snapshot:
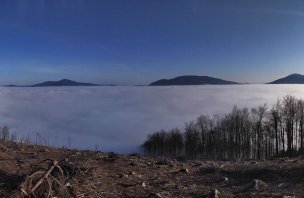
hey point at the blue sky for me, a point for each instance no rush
(135, 42)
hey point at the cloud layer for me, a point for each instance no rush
(119, 118)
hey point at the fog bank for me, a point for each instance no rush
(119, 118)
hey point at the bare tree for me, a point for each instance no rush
(5, 134)
(242, 133)
(289, 112)
(300, 115)
(192, 139)
(258, 116)
(275, 120)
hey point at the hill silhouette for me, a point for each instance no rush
(60, 83)
(291, 79)
(192, 80)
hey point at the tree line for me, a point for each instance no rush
(7, 136)
(244, 133)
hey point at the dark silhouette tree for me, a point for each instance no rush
(241, 134)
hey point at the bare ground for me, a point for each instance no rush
(36, 171)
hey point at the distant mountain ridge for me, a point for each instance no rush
(192, 80)
(179, 80)
(63, 82)
(60, 83)
(291, 79)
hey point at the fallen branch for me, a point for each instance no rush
(44, 177)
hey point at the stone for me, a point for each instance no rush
(259, 185)
(154, 195)
(225, 179)
(184, 170)
(132, 173)
(123, 176)
(283, 185)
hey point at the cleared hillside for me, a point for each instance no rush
(72, 173)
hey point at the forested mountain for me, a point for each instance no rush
(63, 82)
(291, 79)
(60, 83)
(192, 80)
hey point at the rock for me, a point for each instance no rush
(20, 161)
(154, 195)
(214, 193)
(131, 173)
(259, 185)
(225, 179)
(44, 150)
(283, 185)
(184, 170)
(123, 176)
(221, 167)
(143, 185)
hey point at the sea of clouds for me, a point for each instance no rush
(119, 118)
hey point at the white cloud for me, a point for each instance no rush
(119, 118)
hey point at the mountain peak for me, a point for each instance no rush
(63, 82)
(290, 79)
(295, 75)
(192, 80)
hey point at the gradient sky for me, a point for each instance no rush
(136, 42)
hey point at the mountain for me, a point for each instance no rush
(60, 83)
(192, 80)
(63, 82)
(291, 79)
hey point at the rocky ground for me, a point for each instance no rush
(36, 171)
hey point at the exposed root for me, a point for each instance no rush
(46, 183)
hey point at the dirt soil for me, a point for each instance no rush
(36, 171)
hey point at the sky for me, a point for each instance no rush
(136, 42)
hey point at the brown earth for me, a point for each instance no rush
(33, 171)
